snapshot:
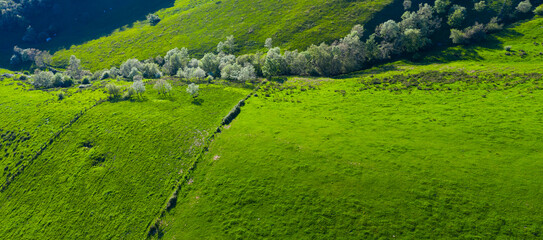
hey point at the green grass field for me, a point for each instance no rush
(445, 145)
(200, 25)
(110, 173)
(350, 159)
(30, 119)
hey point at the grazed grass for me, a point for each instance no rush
(110, 173)
(339, 161)
(30, 118)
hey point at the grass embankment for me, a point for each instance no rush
(526, 54)
(358, 158)
(30, 118)
(200, 25)
(109, 174)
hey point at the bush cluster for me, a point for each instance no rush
(46, 79)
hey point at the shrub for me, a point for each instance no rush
(508, 48)
(193, 90)
(114, 72)
(247, 73)
(457, 16)
(524, 6)
(480, 6)
(127, 68)
(163, 87)
(74, 69)
(389, 30)
(105, 75)
(58, 80)
(97, 75)
(210, 64)
(493, 25)
(269, 43)
(67, 81)
(274, 64)
(129, 93)
(231, 71)
(43, 79)
(539, 10)
(228, 46)
(175, 59)
(457, 36)
(60, 96)
(441, 6)
(139, 87)
(153, 19)
(86, 80)
(134, 73)
(113, 90)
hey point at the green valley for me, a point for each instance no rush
(273, 119)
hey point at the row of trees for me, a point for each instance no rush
(40, 59)
(355, 51)
(138, 89)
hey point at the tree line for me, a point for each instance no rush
(413, 33)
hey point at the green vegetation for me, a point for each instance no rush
(423, 157)
(200, 25)
(443, 144)
(447, 147)
(108, 175)
(30, 119)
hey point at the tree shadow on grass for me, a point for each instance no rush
(371, 71)
(448, 54)
(197, 101)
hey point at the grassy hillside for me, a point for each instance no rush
(30, 119)
(445, 145)
(407, 150)
(109, 174)
(200, 25)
